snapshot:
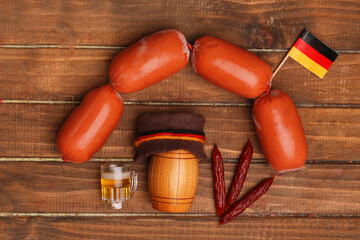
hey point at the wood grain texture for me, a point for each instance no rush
(29, 130)
(67, 74)
(75, 188)
(56, 200)
(253, 24)
(133, 228)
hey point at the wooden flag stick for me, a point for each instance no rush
(279, 66)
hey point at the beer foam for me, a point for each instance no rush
(115, 176)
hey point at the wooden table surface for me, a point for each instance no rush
(53, 52)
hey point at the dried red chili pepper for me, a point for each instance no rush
(245, 202)
(240, 175)
(219, 181)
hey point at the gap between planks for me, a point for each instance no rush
(149, 103)
(130, 160)
(119, 47)
(187, 215)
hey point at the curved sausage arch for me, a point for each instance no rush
(162, 54)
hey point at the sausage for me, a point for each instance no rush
(90, 124)
(149, 61)
(280, 131)
(230, 67)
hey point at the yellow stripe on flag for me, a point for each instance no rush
(307, 62)
(137, 142)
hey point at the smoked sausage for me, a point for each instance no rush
(90, 124)
(280, 131)
(149, 61)
(230, 67)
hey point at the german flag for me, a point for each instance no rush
(170, 134)
(313, 54)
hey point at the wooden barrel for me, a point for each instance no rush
(173, 179)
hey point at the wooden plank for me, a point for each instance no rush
(75, 188)
(29, 130)
(29, 187)
(252, 24)
(67, 74)
(114, 228)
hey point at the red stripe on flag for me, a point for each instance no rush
(313, 54)
(171, 134)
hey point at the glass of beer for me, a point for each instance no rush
(118, 184)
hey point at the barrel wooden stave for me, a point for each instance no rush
(173, 179)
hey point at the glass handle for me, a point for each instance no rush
(134, 183)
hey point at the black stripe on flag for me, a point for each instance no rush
(175, 131)
(319, 46)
